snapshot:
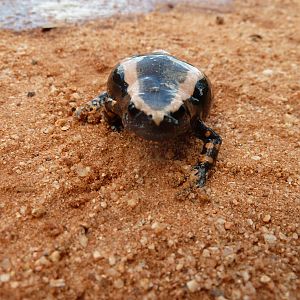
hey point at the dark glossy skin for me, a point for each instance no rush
(160, 78)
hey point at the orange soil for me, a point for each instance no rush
(88, 213)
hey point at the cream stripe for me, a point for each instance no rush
(185, 89)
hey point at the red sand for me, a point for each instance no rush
(88, 213)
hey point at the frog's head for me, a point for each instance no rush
(158, 124)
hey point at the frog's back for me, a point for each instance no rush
(159, 82)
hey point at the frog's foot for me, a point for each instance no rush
(202, 173)
(91, 112)
(212, 142)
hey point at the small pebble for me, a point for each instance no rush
(112, 260)
(38, 212)
(82, 171)
(157, 227)
(75, 96)
(112, 272)
(42, 261)
(249, 289)
(144, 283)
(206, 253)
(267, 218)
(256, 37)
(65, 128)
(250, 222)
(144, 240)
(55, 256)
(48, 27)
(48, 130)
(119, 283)
(219, 20)
(220, 225)
(4, 277)
(265, 279)
(256, 157)
(5, 264)
(53, 90)
(282, 236)
(83, 240)
(235, 201)
(270, 238)
(228, 225)
(57, 282)
(268, 72)
(228, 250)
(193, 286)
(56, 184)
(290, 119)
(245, 275)
(14, 284)
(103, 204)
(23, 210)
(61, 122)
(30, 94)
(132, 202)
(96, 254)
(77, 138)
(151, 247)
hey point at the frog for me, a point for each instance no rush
(159, 97)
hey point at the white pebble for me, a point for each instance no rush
(97, 254)
(193, 286)
(206, 253)
(103, 204)
(83, 240)
(270, 238)
(158, 227)
(57, 282)
(82, 171)
(256, 157)
(4, 277)
(42, 261)
(65, 128)
(112, 260)
(268, 72)
(265, 279)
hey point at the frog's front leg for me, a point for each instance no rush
(93, 110)
(212, 142)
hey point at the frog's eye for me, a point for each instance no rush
(118, 76)
(179, 113)
(132, 109)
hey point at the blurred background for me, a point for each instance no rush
(25, 14)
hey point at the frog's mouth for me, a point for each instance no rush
(144, 126)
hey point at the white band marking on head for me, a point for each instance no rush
(185, 89)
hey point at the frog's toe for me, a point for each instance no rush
(202, 174)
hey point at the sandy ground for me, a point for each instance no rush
(88, 213)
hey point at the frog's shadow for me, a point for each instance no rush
(179, 148)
